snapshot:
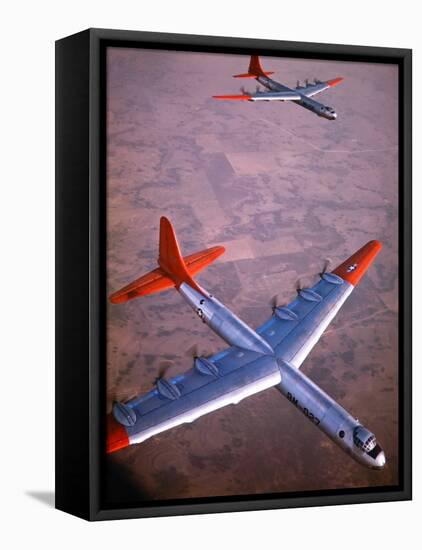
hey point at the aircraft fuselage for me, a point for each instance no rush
(330, 417)
(223, 321)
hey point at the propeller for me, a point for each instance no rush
(298, 84)
(194, 352)
(274, 302)
(306, 82)
(163, 367)
(298, 285)
(326, 265)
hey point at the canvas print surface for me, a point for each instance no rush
(285, 379)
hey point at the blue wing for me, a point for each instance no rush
(235, 373)
(317, 87)
(293, 330)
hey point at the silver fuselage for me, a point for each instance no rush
(308, 103)
(278, 365)
(224, 322)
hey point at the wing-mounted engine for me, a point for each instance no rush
(124, 414)
(206, 367)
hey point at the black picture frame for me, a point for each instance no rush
(80, 269)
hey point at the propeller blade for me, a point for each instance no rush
(274, 302)
(195, 351)
(326, 265)
(297, 84)
(163, 367)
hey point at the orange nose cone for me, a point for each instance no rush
(117, 437)
(353, 269)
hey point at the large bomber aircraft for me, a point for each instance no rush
(301, 95)
(255, 360)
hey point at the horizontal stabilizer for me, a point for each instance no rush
(200, 260)
(152, 282)
(173, 269)
(253, 75)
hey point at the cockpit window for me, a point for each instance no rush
(364, 439)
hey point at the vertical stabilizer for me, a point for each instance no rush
(255, 66)
(255, 69)
(170, 258)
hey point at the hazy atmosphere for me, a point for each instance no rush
(282, 190)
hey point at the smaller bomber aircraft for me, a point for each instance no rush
(301, 95)
(269, 356)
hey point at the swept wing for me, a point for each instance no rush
(313, 89)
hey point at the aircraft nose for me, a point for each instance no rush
(380, 460)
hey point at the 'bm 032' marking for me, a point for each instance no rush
(305, 411)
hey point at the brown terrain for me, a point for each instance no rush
(281, 189)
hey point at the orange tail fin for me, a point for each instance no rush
(173, 270)
(170, 259)
(255, 69)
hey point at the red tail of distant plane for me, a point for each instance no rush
(173, 270)
(255, 69)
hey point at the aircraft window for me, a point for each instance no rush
(364, 439)
(341, 434)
